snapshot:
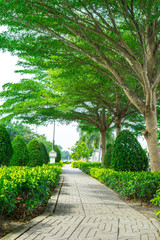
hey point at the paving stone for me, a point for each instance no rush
(88, 210)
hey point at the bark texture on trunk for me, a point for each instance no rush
(103, 145)
(118, 127)
(150, 134)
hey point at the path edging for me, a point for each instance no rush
(50, 208)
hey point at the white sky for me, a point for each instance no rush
(65, 135)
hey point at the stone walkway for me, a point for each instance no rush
(88, 210)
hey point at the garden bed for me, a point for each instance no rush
(24, 193)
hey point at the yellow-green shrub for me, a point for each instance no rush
(26, 186)
(76, 164)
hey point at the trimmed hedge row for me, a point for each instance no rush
(85, 167)
(27, 187)
(76, 164)
(142, 186)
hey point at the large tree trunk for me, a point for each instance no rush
(118, 127)
(103, 145)
(150, 134)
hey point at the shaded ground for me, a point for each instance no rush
(8, 224)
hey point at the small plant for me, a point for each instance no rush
(20, 152)
(6, 150)
(35, 153)
(128, 154)
(156, 201)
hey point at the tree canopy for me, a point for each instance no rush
(109, 35)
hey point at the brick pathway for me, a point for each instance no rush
(88, 210)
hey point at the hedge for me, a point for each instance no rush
(6, 149)
(76, 164)
(142, 186)
(20, 152)
(127, 153)
(27, 187)
(35, 153)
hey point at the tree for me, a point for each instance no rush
(77, 98)
(108, 156)
(19, 128)
(108, 30)
(42, 139)
(80, 150)
(65, 155)
(35, 153)
(20, 152)
(127, 153)
(6, 149)
(58, 157)
(71, 105)
(45, 155)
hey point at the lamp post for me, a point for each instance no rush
(53, 154)
(53, 143)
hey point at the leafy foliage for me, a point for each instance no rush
(81, 150)
(6, 150)
(108, 156)
(110, 37)
(65, 155)
(20, 152)
(26, 187)
(133, 185)
(18, 128)
(128, 154)
(58, 157)
(45, 154)
(35, 153)
(156, 200)
(85, 167)
(42, 138)
(76, 164)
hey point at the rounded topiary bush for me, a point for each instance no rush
(44, 153)
(20, 152)
(6, 150)
(128, 154)
(58, 157)
(108, 156)
(35, 153)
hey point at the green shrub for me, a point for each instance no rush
(58, 157)
(67, 162)
(26, 187)
(35, 153)
(108, 156)
(6, 150)
(128, 154)
(156, 200)
(133, 185)
(85, 167)
(20, 152)
(76, 164)
(44, 153)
